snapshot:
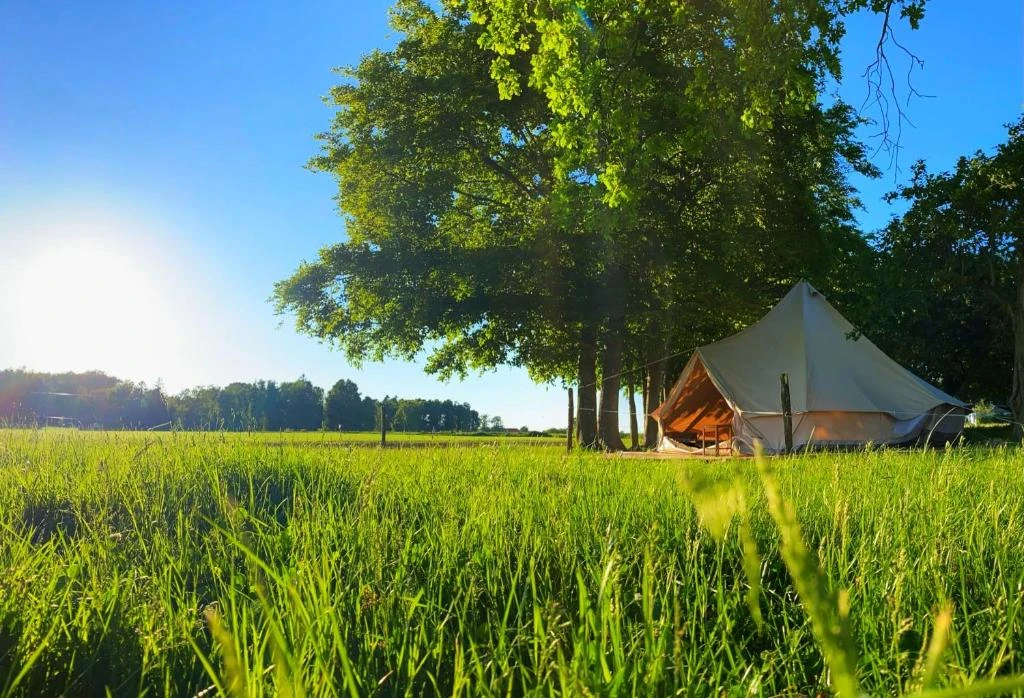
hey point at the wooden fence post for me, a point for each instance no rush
(383, 425)
(787, 413)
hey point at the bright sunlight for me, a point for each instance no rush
(91, 303)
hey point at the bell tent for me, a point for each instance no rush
(844, 391)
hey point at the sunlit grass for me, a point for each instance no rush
(168, 564)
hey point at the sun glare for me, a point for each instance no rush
(87, 304)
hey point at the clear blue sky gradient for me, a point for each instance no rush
(190, 123)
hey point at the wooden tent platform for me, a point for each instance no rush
(659, 455)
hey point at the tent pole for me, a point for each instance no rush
(787, 413)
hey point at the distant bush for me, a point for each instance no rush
(987, 413)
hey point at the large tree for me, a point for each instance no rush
(577, 188)
(459, 240)
(950, 281)
(722, 101)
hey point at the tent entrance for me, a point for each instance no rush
(696, 414)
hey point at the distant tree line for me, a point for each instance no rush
(93, 399)
(96, 400)
(433, 415)
(260, 406)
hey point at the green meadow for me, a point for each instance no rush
(188, 564)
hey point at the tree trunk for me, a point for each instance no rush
(643, 397)
(571, 426)
(586, 392)
(654, 380)
(634, 431)
(1017, 391)
(611, 366)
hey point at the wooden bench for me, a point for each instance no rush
(719, 431)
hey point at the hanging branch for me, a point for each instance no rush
(882, 92)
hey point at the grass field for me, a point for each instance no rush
(175, 564)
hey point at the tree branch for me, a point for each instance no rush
(498, 168)
(882, 93)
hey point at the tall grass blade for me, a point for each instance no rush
(828, 611)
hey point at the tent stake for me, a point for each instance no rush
(787, 413)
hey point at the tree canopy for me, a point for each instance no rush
(949, 284)
(570, 187)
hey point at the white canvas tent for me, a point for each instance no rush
(844, 391)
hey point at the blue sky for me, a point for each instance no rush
(152, 187)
